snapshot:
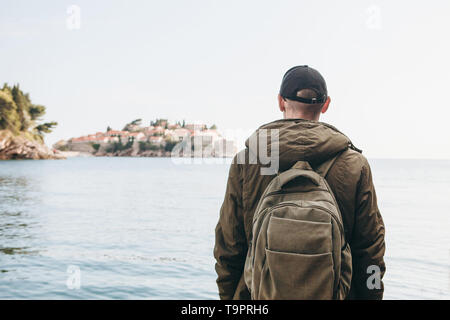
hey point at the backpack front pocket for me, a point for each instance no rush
(299, 236)
(297, 276)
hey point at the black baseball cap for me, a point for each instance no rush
(303, 77)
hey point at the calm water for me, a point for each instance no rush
(144, 228)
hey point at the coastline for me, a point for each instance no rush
(74, 154)
(20, 147)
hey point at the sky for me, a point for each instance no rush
(386, 64)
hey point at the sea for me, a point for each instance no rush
(143, 228)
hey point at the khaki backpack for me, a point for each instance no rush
(298, 248)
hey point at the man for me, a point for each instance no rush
(303, 97)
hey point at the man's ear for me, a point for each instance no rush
(326, 105)
(281, 103)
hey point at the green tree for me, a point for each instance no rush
(96, 146)
(146, 145)
(9, 118)
(45, 127)
(18, 114)
(119, 146)
(133, 125)
(23, 107)
(169, 145)
(36, 112)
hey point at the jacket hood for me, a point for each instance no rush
(304, 140)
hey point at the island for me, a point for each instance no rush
(158, 139)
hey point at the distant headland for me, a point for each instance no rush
(22, 131)
(158, 139)
(21, 127)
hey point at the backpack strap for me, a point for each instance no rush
(325, 167)
(303, 169)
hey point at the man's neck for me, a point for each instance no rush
(301, 116)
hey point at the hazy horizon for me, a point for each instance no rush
(385, 63)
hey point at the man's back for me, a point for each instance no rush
(349, 178)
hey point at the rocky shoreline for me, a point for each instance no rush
(21, 147)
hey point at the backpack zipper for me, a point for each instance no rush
(282, 192)
(312, 206)
(268, 212)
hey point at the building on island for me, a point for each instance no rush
(160, 134)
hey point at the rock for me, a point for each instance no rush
(21, 147)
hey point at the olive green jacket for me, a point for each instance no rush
(350, 179)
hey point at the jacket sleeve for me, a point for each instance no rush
(367, 244)
(230, 247)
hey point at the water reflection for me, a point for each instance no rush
(12, 251)
(17, 196)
